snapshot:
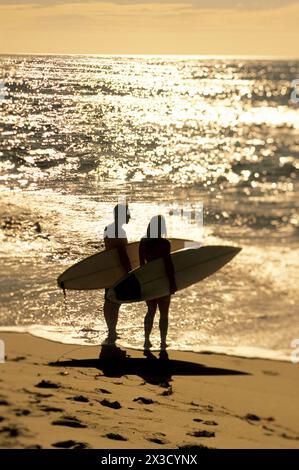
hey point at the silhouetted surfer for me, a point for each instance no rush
(153, 246)
(116, 237)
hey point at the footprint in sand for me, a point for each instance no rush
(144, 401)
(111, 404)
(47, 384)
(286, 436)
(18, 358)
(103, 390)
(252, 417)
(268, 429)
(51, 409)
(207, 423)
(194, 404)
(69, 421)
(157, 439)
(202, 433)
(15, 431)
(22, 412)
(70, 445)
(209, 408)
(37, 394)
(4, 402)
(115, 437)
(79, 398)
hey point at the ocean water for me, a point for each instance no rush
(79, 132)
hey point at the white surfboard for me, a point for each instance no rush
(103, 269)
(190, 266)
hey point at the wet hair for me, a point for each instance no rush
(157, 227)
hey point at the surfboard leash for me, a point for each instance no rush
(61, 284)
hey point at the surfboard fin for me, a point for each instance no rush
(128, 288)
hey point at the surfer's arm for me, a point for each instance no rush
(124, 259)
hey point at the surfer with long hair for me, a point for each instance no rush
(153, 246)
(116, 237)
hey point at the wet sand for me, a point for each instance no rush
(54, 395)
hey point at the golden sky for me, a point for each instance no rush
(212, 27)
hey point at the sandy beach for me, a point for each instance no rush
(55, 395)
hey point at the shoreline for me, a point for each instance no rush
(230, 351)
(55, 396)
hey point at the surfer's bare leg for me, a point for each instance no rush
(111, 316)
(164, 303)
(149, 321)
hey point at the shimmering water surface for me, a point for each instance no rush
(77, 132)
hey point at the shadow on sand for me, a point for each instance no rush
(114, 362)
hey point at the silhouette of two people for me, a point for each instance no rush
(152, 246)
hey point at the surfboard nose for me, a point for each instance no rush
(231, 251)
(228, 250)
